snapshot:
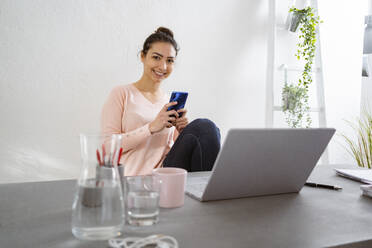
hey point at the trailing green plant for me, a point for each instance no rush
(361, 148)
(293, 98)
(307, 44)
(306, 50)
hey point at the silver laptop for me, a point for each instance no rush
(255, 162)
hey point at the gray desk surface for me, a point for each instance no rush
(39, 215)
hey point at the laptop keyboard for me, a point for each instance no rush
(196, 186)
(198, 180)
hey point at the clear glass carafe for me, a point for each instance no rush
(98, 206)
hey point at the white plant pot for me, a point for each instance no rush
(294, 21)
(301, 4)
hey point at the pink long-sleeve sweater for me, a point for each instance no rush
(128, 112)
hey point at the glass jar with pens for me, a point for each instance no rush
(98, 206)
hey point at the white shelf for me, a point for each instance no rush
(281, 27)
(296, 68)
(279, 108)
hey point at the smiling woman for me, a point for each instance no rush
(158, 65)
(154, 136)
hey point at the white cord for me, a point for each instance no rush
(161, 241)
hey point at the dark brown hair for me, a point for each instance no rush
(162, 34)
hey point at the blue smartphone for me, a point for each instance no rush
(180, 98)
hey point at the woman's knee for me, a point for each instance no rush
(203, 124)
(201, 127)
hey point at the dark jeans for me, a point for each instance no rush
(196, 147)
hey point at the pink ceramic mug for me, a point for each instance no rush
(173, 182)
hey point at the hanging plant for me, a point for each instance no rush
(306, 47)
(294, 106)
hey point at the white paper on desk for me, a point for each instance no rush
(361, 175)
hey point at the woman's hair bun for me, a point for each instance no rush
(164, 30)
(161, 34)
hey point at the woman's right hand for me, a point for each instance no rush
(163, 119)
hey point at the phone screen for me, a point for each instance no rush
(180, 98)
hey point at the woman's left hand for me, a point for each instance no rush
(181, 122)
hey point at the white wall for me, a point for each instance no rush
(366, 95)
(60, 58)
(342, 49)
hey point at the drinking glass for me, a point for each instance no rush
(142, 200)
(98, 206)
